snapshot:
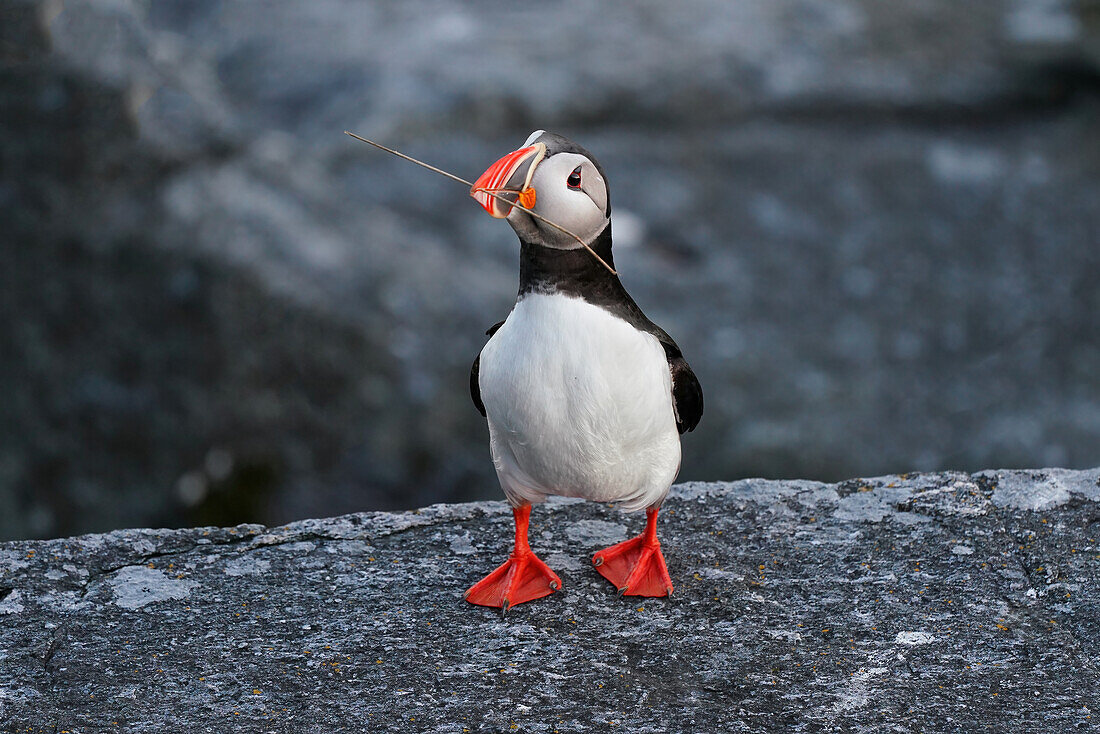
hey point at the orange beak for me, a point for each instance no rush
(510, 177)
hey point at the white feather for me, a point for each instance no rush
(579, 404)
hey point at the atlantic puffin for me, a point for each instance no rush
(584, 396)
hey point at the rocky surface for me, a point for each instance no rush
(925, 602)
(872, 229)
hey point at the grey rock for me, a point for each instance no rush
(871, 228)
(796, 609)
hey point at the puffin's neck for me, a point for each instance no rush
(572, 272)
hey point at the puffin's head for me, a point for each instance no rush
(560, 181)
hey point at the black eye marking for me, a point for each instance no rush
(574, 180)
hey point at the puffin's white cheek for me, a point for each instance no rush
(571, 209)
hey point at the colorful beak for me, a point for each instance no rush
(509, 177)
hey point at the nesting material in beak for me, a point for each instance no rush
(510, 177)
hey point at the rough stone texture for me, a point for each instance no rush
(872, 227)
(927, 602)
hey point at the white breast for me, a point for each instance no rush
(579, 404)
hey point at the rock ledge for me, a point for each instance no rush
(916, 602)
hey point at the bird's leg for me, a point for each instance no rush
(521, 578)
(636, 566)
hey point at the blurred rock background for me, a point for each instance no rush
(873, 228)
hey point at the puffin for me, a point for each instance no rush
(584, 396)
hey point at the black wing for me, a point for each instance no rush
(475, 369)
(687, 393)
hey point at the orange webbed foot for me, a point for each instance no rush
(521, 578)
(636, 567)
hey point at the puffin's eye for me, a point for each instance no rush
(574, 180)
